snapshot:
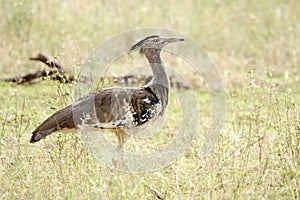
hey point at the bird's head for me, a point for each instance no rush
(153, 42)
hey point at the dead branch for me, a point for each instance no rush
(55, 72)
(40, 57)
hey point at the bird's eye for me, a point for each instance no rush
(156, 40)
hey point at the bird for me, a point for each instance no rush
(122, 110)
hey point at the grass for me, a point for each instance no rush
(255, 46)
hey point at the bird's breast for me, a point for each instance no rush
(145, 111)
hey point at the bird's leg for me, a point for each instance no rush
(121, 139)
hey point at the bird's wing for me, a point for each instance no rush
(125, 107)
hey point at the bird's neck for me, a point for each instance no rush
(160, 83)
(158, 69)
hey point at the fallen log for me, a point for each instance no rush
(56, 72)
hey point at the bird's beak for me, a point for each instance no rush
(171, 40)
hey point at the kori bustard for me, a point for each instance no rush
(121, 109)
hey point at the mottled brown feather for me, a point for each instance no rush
(110, 106)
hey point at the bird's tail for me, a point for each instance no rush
(62, 119)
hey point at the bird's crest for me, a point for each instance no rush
(137, 45)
